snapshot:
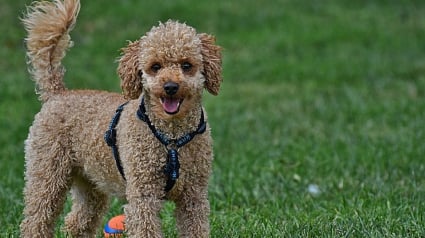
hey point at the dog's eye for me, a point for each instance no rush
(186, 66)
(155, 67)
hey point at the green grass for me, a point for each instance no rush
(329, 93)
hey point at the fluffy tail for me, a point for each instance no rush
(48, 25)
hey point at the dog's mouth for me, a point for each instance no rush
(171, 105)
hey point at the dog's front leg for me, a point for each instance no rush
(192, 212)
(142, 217)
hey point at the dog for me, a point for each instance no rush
(150, 144)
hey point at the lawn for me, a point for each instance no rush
(319, 128)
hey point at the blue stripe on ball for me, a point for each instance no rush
(110, 230)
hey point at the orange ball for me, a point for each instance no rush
(114, 227)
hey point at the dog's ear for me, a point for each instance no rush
(211, 57)
(129, 71)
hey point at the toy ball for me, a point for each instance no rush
(114, 227)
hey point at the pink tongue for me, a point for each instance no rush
(171, 105)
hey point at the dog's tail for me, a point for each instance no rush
(48, 25)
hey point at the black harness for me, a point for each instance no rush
(111, 138)
(171, 169)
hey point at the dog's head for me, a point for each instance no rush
(171, 65)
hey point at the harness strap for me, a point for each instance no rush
(111, 138)
(172, 167)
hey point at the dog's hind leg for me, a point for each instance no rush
(88, 207)
(48, 177)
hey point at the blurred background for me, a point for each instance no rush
(319, 126)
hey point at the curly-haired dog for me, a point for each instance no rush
(161, 144)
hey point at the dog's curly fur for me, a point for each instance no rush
(65, 149)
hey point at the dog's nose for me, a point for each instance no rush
(171, 88)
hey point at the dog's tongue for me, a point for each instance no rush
(171, 105)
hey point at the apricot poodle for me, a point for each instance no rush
(157, 144)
